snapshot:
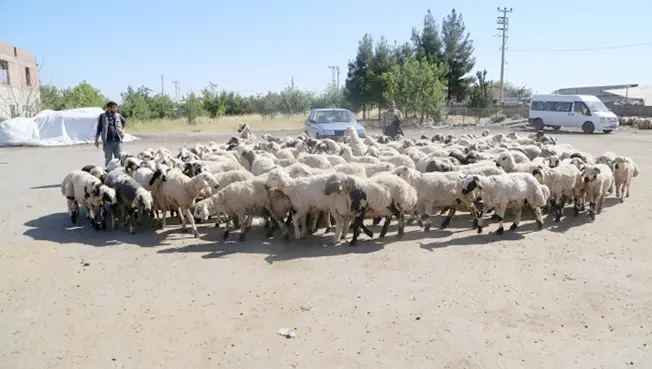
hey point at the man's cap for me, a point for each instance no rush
(111, 103)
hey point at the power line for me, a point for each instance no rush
(503, 26)
(614, 47)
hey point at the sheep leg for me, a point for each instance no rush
(339, 225)
(518, 214)
(191, 219)
(401, 226)
(425, 218)
(329, 222)
(618, 190)
(377, 221)
(314, 220)
(132, 218)
(227, 229)
(539, 216)
(600, 204)
(90, 209)
(357, 225)
(500, 212)
(479, 205)
(449, 217)
(576, 206)
(297, 219)
(345, 227)
(592, 209)
(385, 228)
(244, 228)
(627, 188)
(73, 209)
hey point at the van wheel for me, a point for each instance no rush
(556, 128)
(538, 124)
(588, 127)
(606, 131)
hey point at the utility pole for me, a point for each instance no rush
(337, 89)
(176, 90)
(503, 26)
(162, 86)
(332, 68)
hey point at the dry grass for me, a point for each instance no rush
(224, 124)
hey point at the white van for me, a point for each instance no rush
(581, 111)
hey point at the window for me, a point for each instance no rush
(548, 106)
(580, 107)
(4, 72)
(14, 111)
(27, 111)
(563, 106)
(537, 105)
(28, 77)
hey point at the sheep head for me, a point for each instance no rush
(201, 210)
(538, 173)
(243, 128)
(617, 162)
(143, 200)
(207, 180)
(505, 160)
(470, 184)
(277, 178)
(590, 174)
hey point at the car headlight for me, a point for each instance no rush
(327, 133)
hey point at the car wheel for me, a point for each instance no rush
(606, 131)
(538, 124)
(588, 127)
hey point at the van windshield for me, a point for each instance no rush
(596, 106)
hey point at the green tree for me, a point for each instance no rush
(520, 92)
(480, 97)
(358, 85)
(427, 43)
(50, 97)
(162, 106)
(294, 101)
(268, 104)
(400, 52)
(328, 99)
(136, 103)
(417, 86)
(192, 107)
(458, 55)
(380, 64)
(84, 95)
(212, 102)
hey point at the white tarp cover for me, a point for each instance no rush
(54, 128)
(640, 92)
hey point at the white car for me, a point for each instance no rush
(578, 111)
(331, 123)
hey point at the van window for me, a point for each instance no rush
(548, 106)
(537, 105)
(563, 106)
(580, 107)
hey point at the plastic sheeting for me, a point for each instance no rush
(54, 128)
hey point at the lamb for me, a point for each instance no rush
(347, 154)
(82, 189)
(506, 161)
(624, 169)
(131, 197)
(178, 192)
(496, 192)
(564, 183)
(598, 181)
(243, 200)
(95, 170)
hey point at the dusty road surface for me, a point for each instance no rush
(577, 295)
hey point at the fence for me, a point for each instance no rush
(460, 115)
(631, 110)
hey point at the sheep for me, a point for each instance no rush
(314, 161)
(194, 167)
(347, 153)
(496, 192)
(506, 161)
(352, 169)
(131, 197)
(598, 181)
(371, 169)
(398, 160)
(243, 200)
(355, 142)
(607, 157)
(180, 192)
(246, 133)
(624, 169)
(404, 200)
(306, 195)
(95, 170)
(82, 189)
(564, 183)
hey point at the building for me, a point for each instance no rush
(601, 92)
(19, 82)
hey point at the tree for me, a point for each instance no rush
(136, 103)
(359, 74)
(50, 97)
(457, 54)
(481, 92)
(84, 95)
(416, 86)
(192, 107)
(520, 92)
(380, 64)
(428, 43)
(294, 101)
(402, 52)
(162, 106)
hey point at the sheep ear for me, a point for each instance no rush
(597, 170)
(86, 195)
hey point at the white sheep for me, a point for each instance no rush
(347, 154)
(82, 189)
(564, 183)
(179, 192)
(506, 161)
(404, 200)
(598, 181)
(96, 171)
(351, 169)
(496, 192)
(624, 169)
(356, 144)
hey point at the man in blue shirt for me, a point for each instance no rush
(110, 126)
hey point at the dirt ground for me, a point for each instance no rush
(576, 295)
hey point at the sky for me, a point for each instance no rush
(257, 46)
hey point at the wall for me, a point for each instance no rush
(631, 110)
(23, 97)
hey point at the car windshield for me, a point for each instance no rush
(596, 106)
(334, 116)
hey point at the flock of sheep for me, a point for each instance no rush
(298, 185)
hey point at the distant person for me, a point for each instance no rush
(110, 126)
(392, 120)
